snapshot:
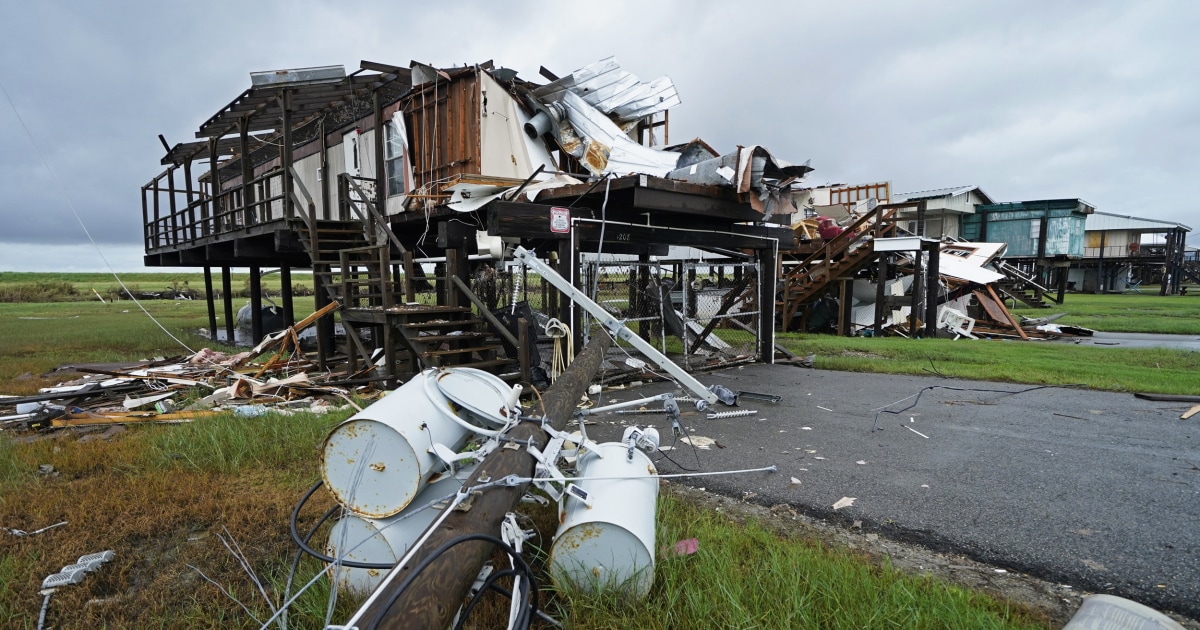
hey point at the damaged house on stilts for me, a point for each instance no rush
(405, 191)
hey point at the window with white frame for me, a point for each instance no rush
(395, 157)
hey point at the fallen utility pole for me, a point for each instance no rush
(434, 598)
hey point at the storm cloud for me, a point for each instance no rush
(1028, 100)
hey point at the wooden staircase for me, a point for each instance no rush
(351, 261)
(839, 257)
(1023, 287)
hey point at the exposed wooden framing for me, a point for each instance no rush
(285, 157)
(147, 229)
(527, 220)
(172, 205)
(190, 197)
(158, 237)
(882, 308)
(845, 307)
(410, 288)
(214, 188)
(1008, 315)
(247, 172)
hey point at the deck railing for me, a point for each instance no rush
(173, 216)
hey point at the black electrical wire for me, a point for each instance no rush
(287, 588)
(675, 441)
(488, 584)
(528, 593)
(897, 412)
(303, 542)
(541, 615)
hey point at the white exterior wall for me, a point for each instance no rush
(309, 170)
(505, 149)
(1116, 243)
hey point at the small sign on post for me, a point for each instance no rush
(560, 220)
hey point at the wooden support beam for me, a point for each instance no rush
(486, 313)
(845, 306)
(933, 285)
(256, 318)
(882, 309)
(285, 286)
(227, 289)
(1008, 314)
(768, 271)
(210, 299)
(434, 597)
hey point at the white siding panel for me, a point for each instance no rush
(309, 170)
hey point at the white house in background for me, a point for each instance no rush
(1108, 235)
(944, 208)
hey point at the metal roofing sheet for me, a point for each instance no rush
(1098, 221)
(608, 88)
(940, 192)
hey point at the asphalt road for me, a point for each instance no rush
(1096, 490)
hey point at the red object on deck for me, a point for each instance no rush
(828, 228)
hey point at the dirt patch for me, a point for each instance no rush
(1057, 602)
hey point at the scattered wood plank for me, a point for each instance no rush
(122, 417)
(1190, 412)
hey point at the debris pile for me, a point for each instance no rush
(182, 389)
(971, 284)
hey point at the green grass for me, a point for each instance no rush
(747, 576)
(1159, 370)
(1131, 312)
(148, 492)
(37, 337)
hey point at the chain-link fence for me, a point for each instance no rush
(699, 314)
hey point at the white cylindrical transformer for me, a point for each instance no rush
(385, 540)
(609, 545)
(376, 462)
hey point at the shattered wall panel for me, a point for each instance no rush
(444, 129)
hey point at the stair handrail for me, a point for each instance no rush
(374, 217)
(848, 237)
(1014, 273)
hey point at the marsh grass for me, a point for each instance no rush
(36, 338)
(16, 286)
(158, 495)
(161, 495)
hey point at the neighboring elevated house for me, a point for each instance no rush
(1122, 251)
(944, 209)
(1036, 231)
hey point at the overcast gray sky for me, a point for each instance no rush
(1028, 99)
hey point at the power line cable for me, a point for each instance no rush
(63, 191)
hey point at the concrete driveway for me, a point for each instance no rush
(1096, 490)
